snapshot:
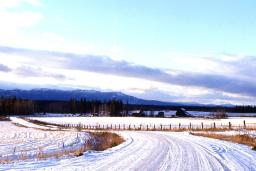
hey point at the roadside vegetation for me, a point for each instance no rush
(97, 141)
(219, 114)
(104, 140)
(240, 138)
(4, 118)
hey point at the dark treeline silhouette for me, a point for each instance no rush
(14, 106)
(83, 106)
(204, 108)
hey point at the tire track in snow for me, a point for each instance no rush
(157, 151)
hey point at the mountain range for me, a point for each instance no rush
(65, 95)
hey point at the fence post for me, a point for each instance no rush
(170, 126)
(214, 125)
(154, 126)
(202, 124)
(147, 127)
(229, 125)
(161, 126)
(129, 127)
(244, 124)
(179, 125)
(190, 125)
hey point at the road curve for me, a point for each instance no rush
(156, 151)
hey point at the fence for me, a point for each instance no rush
(160, 127)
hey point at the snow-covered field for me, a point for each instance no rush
(205, 114)
(156, 151)
(167, 113)
(137, 121)
(146, 150)
(251, 133)
(20, 141)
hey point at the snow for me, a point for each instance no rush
(251, 133)
(145, 150)
(29, 124)
(138, 121)
(16, 141)
(205, 114)
(167, 113)
(56, 114)
(155, 151)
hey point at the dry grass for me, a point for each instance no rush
(80, 127)
(58, 154)
(213, 129)
(103, 140)
(99, 141)
(37, 122)
(4, 118)
(241, 138)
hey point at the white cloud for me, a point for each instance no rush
(6, 4)
(186, 76)
(14, 23)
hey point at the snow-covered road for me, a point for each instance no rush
(156, 151)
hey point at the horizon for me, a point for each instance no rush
(198, 51)
(98, 91)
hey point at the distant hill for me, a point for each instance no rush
(65, 95)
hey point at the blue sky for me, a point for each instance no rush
(209, 44)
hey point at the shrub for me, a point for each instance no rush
(219, 114)
(79, 127)
(160, 114)
(103, 140)
(240, 138)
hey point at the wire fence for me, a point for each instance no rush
(161, 127)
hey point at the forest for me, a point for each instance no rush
(15, 106)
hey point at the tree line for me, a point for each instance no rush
(14, 106)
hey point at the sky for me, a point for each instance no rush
(170, 50)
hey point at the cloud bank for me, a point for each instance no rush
(103, 64)
(37, 72)
(4, 68)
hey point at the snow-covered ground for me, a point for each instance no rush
(145, 150)
(155, 151)
(167, 113)
(205, 114)
(16, 141)
(137, 121)
(25, 123)
(251, 133)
